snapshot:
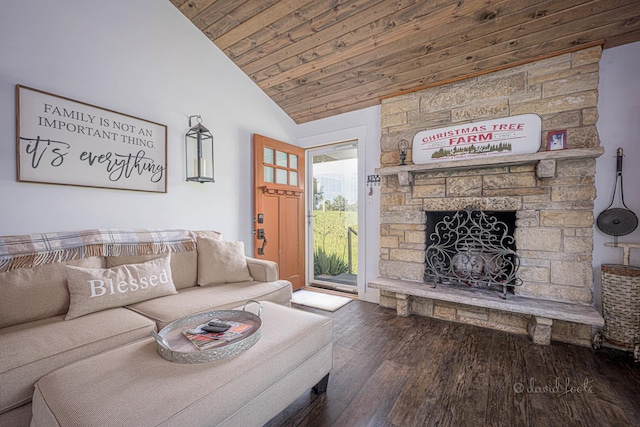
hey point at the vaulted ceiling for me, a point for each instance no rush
(319, 58)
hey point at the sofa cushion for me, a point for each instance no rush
(184, 266)
(95, 289)
(222, 297)
(31, 350)
(161, 393)
(28, 294)
(208, 234)
(220, 261)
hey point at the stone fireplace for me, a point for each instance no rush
(550, 192)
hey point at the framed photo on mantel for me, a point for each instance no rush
(63, 141)
(557, 140)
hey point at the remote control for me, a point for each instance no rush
(209, 328)
(218, 324)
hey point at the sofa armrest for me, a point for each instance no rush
(262, 270)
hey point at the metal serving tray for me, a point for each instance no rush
(173, 346)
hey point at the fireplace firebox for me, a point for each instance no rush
(472, 248)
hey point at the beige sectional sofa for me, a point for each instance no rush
(35, 300)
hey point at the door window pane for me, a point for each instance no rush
(281, 159)
(281, 176)
(293, 161)
(268, 174)
(293, 178)
(268, 155)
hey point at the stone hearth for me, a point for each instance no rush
(552, 193)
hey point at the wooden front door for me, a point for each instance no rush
(278, 171)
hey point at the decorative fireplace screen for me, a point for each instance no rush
(472, 248)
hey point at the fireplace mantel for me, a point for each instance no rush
(544, 160)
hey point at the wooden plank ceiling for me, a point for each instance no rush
(319, 58)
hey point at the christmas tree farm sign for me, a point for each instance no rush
(63, 141)
(499, 137)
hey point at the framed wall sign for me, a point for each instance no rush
(63, 141)
(498, 137)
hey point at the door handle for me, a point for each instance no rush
(261, 248)
(263, 237)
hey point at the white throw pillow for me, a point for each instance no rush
(221, 262)
(208, 234)
(96, 289)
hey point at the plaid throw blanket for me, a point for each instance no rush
(49, 248)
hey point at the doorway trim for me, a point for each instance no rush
(359, 134)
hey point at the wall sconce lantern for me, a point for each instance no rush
(403, 145)
(199, 153)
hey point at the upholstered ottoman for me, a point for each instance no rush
(134, 386)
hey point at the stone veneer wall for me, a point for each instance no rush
(554, 215)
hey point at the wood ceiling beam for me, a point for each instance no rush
(178, 3)
(327, 19)
(318, 58)
(418, 77)
(257, 44)
(620, 39)
(215, 11)
(468, 54)
(340, 28)
(439, 48)
(409, 24)
(255, 23)
(329, 107)
(193, 8)
(231, 20)
(570, 42)
(429, 41)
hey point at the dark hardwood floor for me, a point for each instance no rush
(416, 371)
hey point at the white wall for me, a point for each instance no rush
(618, 126)
(145, 59)
(363, 125)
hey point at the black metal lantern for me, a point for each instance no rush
(199, 153)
